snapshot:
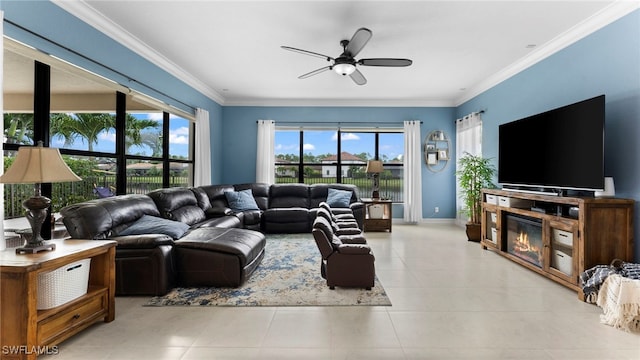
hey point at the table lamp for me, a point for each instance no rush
(37, 164)
(374, 167)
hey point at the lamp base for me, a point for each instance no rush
(36, 207)
(376, 194)
(31, 248)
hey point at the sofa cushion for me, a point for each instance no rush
(215, 193)
(240, 201)
(202, 198)
(100, 219)
(339, 198)
(179, 204)
(245, 244)
(226, 222)
(289, 196)
(156, 225)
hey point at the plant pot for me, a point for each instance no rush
(474, 232)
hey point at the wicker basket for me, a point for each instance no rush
(63, 284)
(376, 211)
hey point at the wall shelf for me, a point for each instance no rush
(437, 150)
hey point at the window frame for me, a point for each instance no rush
(301, 164)
(42, 94)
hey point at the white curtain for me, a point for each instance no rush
(2, 241)
(468, 140)
(266, 155)
(412, 172)
(202, 173)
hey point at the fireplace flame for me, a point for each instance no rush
(522, 245)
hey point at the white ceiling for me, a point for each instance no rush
(230, 50)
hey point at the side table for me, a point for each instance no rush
(25, 331)
(376, 219)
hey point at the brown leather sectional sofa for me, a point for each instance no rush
(207, 243)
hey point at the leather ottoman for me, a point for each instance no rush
(217, 257)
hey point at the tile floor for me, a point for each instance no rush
(451, 300)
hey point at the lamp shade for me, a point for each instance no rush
(374, 167)
(37, 164)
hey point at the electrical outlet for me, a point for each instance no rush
(437, 210)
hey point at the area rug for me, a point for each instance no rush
(289, 275)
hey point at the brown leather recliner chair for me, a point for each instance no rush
(347, 265)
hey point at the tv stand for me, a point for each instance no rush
(540, 191)
(581, 233)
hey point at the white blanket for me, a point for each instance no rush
(619, 297)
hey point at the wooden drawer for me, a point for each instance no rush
(377, 224)
(77, 315)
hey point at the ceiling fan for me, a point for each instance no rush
(345, 64)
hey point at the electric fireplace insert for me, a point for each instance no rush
(524, 238)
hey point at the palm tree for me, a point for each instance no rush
(135, 135)
(83, 126)
(88, 126)
(18, 128)
(152, 139)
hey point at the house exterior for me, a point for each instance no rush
(329, 170)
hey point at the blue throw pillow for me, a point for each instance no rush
(240, 201)
(148, 224)
(338, 198)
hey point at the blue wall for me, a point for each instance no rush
(240, 132)
(606, 62)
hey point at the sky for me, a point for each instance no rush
(325, 142)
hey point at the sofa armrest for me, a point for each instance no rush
(218, 211)
(356, 206)
(354, 249)
(352, 239)
(146, 241)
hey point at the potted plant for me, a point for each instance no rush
(474, 174)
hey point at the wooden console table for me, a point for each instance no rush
(26, 332)
(374, 223)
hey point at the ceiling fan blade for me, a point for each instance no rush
(314, 72)
(385, 62)
(358, 78)
(305, 52)
(358, 41)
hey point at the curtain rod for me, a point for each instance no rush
(473, 113)
(337, 123)
(99, 64)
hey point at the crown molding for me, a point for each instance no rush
(596, 22)
(89, 15)
(340, 102)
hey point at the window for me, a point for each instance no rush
(136, 150)
(340, 156)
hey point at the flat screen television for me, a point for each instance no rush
(560, 149)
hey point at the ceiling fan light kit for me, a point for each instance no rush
(344, 69)
(345, 64)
